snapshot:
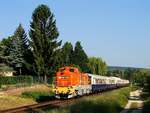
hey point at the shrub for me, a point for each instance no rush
(38, 95)
(16, 80)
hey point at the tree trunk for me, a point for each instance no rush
(45, 78)
(20, 72)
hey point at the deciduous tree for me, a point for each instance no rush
(97, 66)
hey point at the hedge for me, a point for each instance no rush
(16, 80)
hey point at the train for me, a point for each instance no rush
(69, 82)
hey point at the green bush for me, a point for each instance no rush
(16, 80)
(38, 95)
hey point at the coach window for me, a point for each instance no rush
(101, 81)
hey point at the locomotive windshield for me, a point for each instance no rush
(64, 77)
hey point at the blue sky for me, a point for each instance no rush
(116, 30)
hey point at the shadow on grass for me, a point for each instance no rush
(87, 107)
(38, 96)
(138, 110)
(95, 107)
(44, 98)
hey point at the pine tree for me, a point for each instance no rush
(26, 50)
(80, 58)
(16, 54)
(67, 51)
(17, 49)
(44, 34)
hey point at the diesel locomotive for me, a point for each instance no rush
(70, 82)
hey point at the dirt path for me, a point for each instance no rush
(134, 105)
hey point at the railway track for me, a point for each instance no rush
(34, 107)
(53, 103)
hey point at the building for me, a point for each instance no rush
(6, 70)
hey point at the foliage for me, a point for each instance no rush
(135, 76)
(16, 80)
(105, 103)
(80, 58)
(14, 49)
(5, 68)
(146, 91)
(147, 83)
(146, 106)
(5, 45)
(67, 54)
(44, 34)
(97, 66)
(38, 95)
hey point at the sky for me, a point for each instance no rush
(116, 30)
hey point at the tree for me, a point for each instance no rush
(97, 66)
(44, 44)
(138, 77)
(18, 48)
(80, 58)
(67, 51)
(5, 45)
(16, 51)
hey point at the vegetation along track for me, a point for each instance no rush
(52, 103)
(34, 107)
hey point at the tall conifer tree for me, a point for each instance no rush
(18, 48)
(67, 51)
(44, 34)
(80, 58)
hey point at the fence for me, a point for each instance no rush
(22, 81)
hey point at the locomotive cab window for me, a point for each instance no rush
(71, 70)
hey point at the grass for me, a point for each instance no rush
(7, 102)
(146, 108)
(134, 88)
(24, 96)
(146, 97)
(38, 96)
(134, 105)
(109, 102)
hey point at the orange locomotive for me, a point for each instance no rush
(69, 82)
